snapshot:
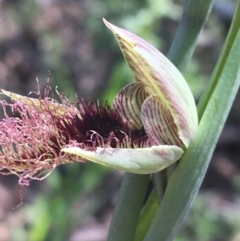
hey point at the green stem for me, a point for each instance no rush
(147, 214)
(194, 15)
(128, 207)
(185, 181)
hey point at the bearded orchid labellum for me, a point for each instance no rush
(151, 123)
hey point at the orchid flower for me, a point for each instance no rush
(151, 123)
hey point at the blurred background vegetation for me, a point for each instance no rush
(69, 39)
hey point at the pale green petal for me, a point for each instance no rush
(128, 103)
(57, 108)
(158, 122)
(140, 160)
(162, 78)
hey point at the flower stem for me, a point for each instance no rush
(194, 16)
(129, 204)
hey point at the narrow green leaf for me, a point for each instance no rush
(147, 215)
(235, 26)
